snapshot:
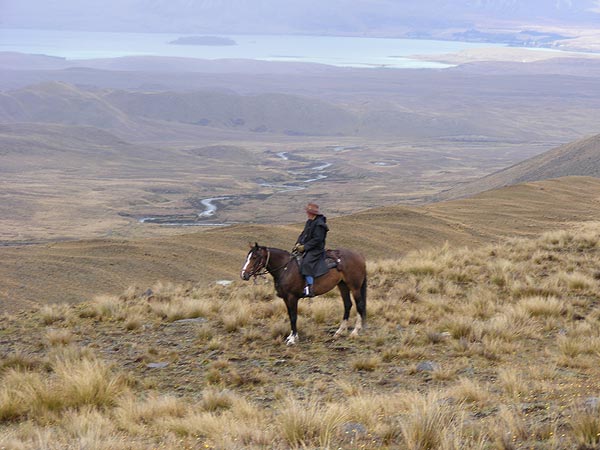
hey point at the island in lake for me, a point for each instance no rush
(203, 40)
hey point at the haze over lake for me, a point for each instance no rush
(332, 50)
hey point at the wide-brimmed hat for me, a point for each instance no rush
(312, 208)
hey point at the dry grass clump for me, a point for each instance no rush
(135, 415)
(50, 314)
(368, 363)
(512, 383)
(20, 361)
(71, 384)
(431, 422)
(584, 421)
(470, 391)
(538, 306)
(235, 315)
(180, 308)
(59, 337)
(309, 424)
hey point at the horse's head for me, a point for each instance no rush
(256, 260)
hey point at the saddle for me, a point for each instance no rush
(333, 258)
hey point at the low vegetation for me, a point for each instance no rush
(485, 348)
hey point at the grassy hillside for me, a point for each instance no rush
(581, 157)
(72, 271)
(488, 347)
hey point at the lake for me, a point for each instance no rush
(332, 50)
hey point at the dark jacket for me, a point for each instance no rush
(313, 238)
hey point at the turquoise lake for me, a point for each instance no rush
(332, 50)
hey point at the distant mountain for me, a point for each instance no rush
(579, 158)
(358, 17)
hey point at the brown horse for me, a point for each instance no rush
(350, 276)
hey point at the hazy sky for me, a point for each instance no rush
(281, 16)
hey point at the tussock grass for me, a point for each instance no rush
(538, 306)
(107, 306)
(585, 425)
(134, 415)
(368, 363)
(59, 337)
(309, 424)
(512, 330)
(88, 382)
(470, 391)
(20, 361)
(50, 314)
(429, 423)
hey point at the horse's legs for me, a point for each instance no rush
(292, 308)
(343, 287)
(360, 298)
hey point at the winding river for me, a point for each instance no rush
(303, 176)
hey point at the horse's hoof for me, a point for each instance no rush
(292, 339)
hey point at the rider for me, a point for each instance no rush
(311, 243)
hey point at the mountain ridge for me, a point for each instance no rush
(579, 158)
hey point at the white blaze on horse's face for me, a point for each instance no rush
(244, 275)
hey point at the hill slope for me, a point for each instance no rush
(579, 158)
(123, 111)
(74, 271)
(490, 347)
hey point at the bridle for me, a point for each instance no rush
(259, 267)
(260, 264)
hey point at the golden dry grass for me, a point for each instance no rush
(511, 331)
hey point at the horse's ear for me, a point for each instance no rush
(256, 245)
(250, 244)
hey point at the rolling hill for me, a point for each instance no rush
(143, 114)
(579, 158)
(74, 271)
(123, 111)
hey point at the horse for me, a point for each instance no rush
(350, 276)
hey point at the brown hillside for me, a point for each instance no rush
(56, 102)
(75, 271)
(579, 158)
(123, 111)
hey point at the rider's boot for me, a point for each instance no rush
(308, 291)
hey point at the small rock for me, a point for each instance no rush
(194, 320)
(148, 293)
(353, 430)
(528, 408)
(468, 371)
(592, 404)
(427, 366)
(224, 282)
(158, 365)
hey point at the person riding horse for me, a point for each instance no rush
(311, 244)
